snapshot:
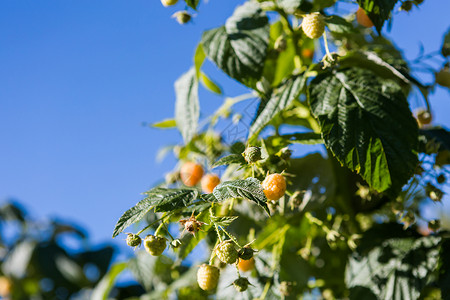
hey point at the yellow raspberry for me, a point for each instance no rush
(226, 252)
(191, 173)
(274, 186)
(209, 182)
(313, 25)
(208, 277)
(154, 245)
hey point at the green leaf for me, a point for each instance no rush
(209, 84)
(281, 98)
(161, 199)
(165, 199)
(339, 25)
(368, 126)
(378, 10)
(239, 47)
(249, 189)
(223, 221)
(444, 269)
(305, 138)
(445, 50)
(394, 268)
(199, 58)
(230, 159)
(192, 3)
(104, 287)
(187, 105)
(167, 123)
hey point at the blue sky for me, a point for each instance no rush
(80, 78)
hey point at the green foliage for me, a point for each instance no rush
(347, 217)
(369, 130)
(445, 50)
(239, 47)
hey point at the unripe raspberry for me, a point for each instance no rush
(172, 177)
(441, 179)
(191, 173)
(241, 284)
(169, 2)
(209, 182)
(274, 186)
(280, 44)
(246, 265)
(443, 77)
(208, 277)
(246, 253)
(226, 252)
(252, 154)
(182, 17)
(313, 25)
(133, 240)
(424, 117)
(362, 18)
(155, 245)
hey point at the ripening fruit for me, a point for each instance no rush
(313, 25)
(182, 17)
(155, 245)
(191, 173)
(274, 186)
(246, 253)
(5, 286)
(308, 53)
(424, 117)
(226, 252)
(208, 277)
(363, 19)
(246, 265)
(443, 77)
(169, 2)
(209, 182)
(241, 284)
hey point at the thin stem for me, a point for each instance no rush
(160, 227)
(326, 45)
(151, 224)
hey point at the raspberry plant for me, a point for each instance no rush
(344, 222)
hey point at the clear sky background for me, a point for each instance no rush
(79, 78)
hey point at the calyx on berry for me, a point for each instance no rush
(241, 284)
(252, 154)
(246, 253)
(191, 225)
(133, 240)
(182, 17)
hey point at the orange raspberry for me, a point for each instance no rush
(308, 53)
(208, 277)
(191, 173)
(274, 186)
(362, 18)
(246, 265)
(209, 182)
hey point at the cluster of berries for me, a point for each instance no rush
(208, 275)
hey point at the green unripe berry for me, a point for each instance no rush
(245, 253)
(155, 245)
(252, 154)
(226, 252)
(182, 17)
(133, 240)
(241, 284)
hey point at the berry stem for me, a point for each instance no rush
(160, 227)
(326, 45)
(151, 224)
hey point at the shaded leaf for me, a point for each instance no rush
(192, 3)
(339, 25)
(445, 50)
(367, 124)
(239, 47)
(187, 105)
(223, 221)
